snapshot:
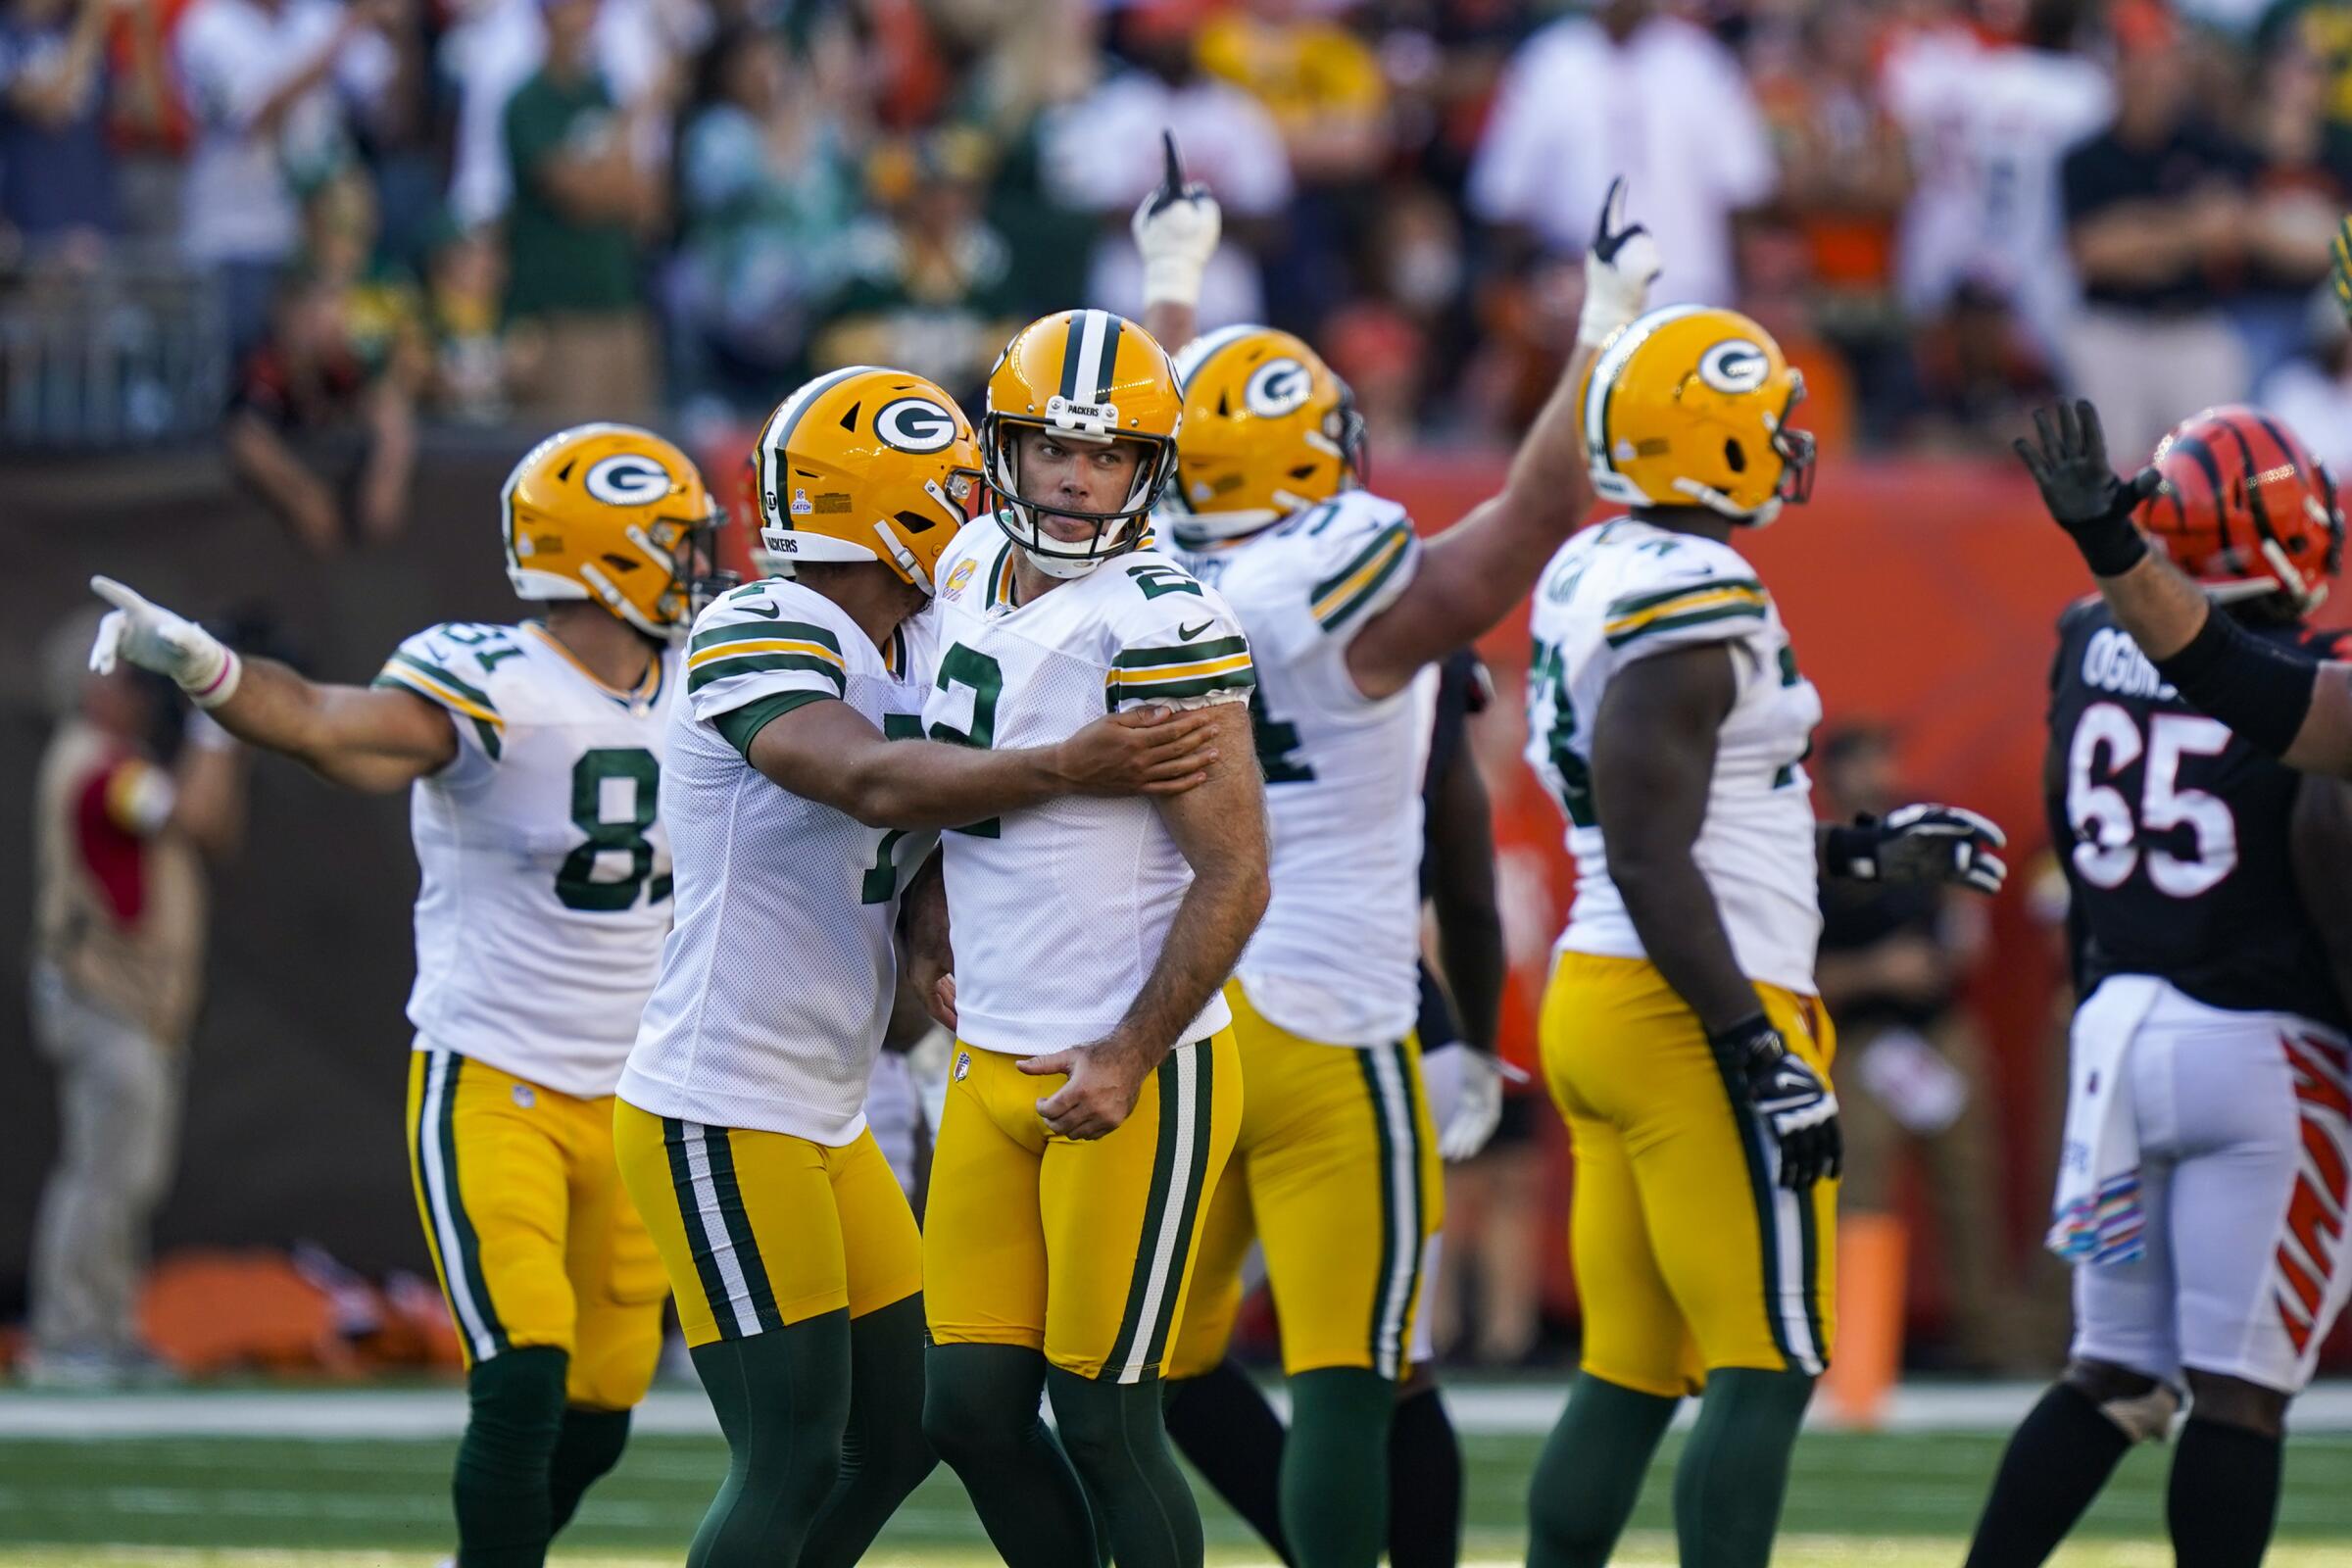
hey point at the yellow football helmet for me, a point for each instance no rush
(1268, 431)
(1688, 406)
(1091, 376)
(865, 464)
(614, 513)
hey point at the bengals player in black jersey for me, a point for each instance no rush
(2209, 1125)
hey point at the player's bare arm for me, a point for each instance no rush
(365, 738)
(1220, 830)
(826, 751)
(930, 946)
(1653, 760)
(1462, 897)
(2296, 708)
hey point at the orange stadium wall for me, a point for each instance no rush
(1919, 594)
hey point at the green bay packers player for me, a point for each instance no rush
(1682, 1035)
(795, 797)
(535, 753)
(1347, 613)
(1096, 1090)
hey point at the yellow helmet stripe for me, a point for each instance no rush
(1603, 383)
(787, 419)
(1195, 356)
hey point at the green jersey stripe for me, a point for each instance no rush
(739, 724)
(1181, 654)
(1337, 615)
(1235, 681)
(1364, 557)
(1634, 604)
(762, 631)
(754, 664)
(473, 694)
(1697, 617)
(493, 742)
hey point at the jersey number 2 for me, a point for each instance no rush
(980, 675)
(576, 884)
(2107, 829)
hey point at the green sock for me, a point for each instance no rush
(1118, 1442)
(514, 1413)
(587, 1446)
(1735, 1470)
(783, 1401)
(1590, 1473)
(981, 1414)
(1335, 1467)
(883, 1454)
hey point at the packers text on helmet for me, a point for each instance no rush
(613, 514)
(1087, 377)
(864, 464)
(2245, 508)
(1689, 406)
(1268, 431)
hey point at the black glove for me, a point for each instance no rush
(2083, 492)
(1923, 843)
(1789, 1096)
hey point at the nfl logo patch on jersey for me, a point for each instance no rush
(963, 1065)
(523, 1095)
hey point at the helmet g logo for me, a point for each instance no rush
(1734, 366)
(916, 424)
(1276, 388)
(628, 479)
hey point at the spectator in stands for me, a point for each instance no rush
(2313, 391)
(343, 362)
(1911, 1064)
(57, 177)
(465, 285)
(584, 204)
(271, 84)
(1989, 121)
(1101, 152)
(2158, 218)
(930, 286)
(1016, 95)
(767, 192)
(126, 814)
(1619, 92)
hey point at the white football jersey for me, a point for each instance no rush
(1620, 591)
(1336, 957)
(545, 886)
(777, 983)
(1059, 911)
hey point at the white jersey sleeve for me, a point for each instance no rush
(1173, 642)
(758, 653)
(452, 665)
(1307, 588)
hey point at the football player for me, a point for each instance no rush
(1096, 1088)
(1681, 1034)
(535, 753)
(1347, 611)
(798, 802)
(2209, 1122)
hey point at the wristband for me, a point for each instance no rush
(2110, 545)
(2259, 689)
(222, 684)
(1853, 850)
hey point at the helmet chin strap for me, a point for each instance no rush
(1716, 501)
(903, 558)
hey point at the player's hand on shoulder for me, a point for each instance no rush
(1099, 1093)
(1921, 843)
(1144, 750)
(1795, 1103)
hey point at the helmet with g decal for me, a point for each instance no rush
(2245, 508)
(1688, 406)
(866, 464)
(1090, 377)
(1268, 431)
(613, 514)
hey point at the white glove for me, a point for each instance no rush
(1923, 843)
(154, 638)
(1477, 1105)
(1176, 228)
(1619, 269)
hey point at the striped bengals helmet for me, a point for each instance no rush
(2245, 508)
(1088, 376)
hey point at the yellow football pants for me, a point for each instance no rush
(1337, 1174)
(1083, 1251)
(1687, 1253)
(758, 1230)
(533, 1239)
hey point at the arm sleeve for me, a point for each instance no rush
(750, 660)
(1180, 646)
(451, 666)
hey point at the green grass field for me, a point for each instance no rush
(197, 1503)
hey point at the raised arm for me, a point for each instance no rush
(2296, 708)
(1220, 828)
(1473, 573)
(823, 750)
(365, 738)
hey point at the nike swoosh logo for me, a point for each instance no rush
(772, 611)
(1188, 634)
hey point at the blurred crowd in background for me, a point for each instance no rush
(361, 214)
